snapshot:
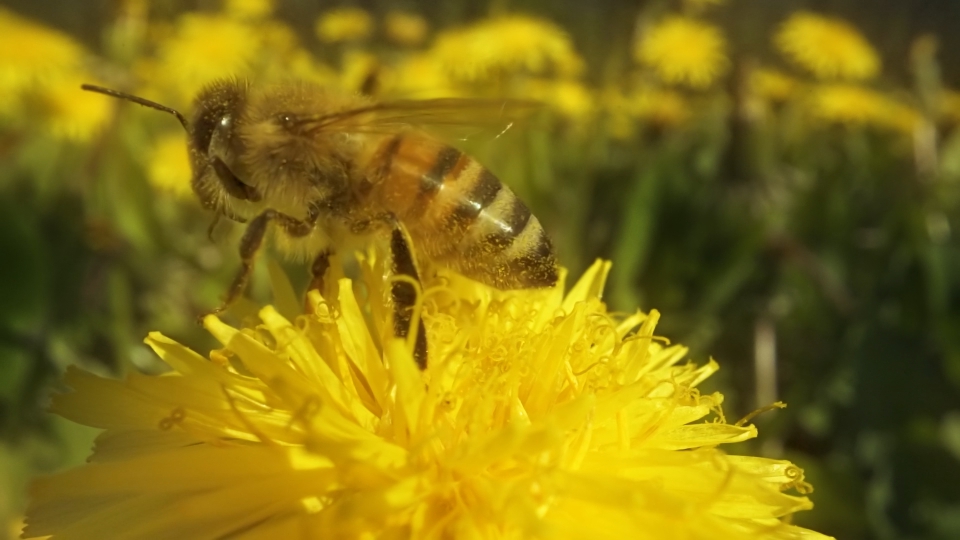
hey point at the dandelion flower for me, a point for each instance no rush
(516, 43)
(540, 416)
(772, 85)
(357, 68)
(286, 59)
(419, 76)
(682, 50)
(653, 106)
(168, 167)
(828, 48)
(855, 105)
(346, 24)
(845, 103)
(303, 66)
(570, 98)
(406, 28)
(204, 48)
(71, 114)
(660, 107)
(31, 53)
(900, 117)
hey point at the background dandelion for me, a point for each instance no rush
(346, 24)
(406, 28)
(828, 48)
(507, 44)
(685, 51)
(781, 183)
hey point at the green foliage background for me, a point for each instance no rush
(837, 244)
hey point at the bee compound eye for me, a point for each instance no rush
(222, 131)
(285, 119)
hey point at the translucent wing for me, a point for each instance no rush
(446, 115)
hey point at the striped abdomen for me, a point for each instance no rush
(460, 215)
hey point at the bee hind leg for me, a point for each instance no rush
(404, 295)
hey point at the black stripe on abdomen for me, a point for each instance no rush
(537, 268)
(432, 180)
(385, 158)
(500, 231)
(481, 194)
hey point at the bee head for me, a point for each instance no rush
(216, 111)
(212, 140)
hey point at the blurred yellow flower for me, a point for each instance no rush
(203, 48)
(663, 107)
(900, 117)
(828, 48)
(569, 98)
(651, 106)
(357, 69)
(506, 44)
(301, 65)
(845, 103)
(72, 114)
(772, 85)
(248, 9)
(682, 50)
(31, 53)
(406, 28)
(345, 24)
(419, 76)
(281, 57)
(278, 38)
(852, 104)
(540, 416)
(168, 167)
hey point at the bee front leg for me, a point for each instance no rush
(318, 270)
(404, 294)
(250, 245)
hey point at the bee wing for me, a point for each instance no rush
(448, 115)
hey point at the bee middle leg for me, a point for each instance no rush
(404, 295)
(252, 241)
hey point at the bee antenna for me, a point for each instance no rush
(138, 101)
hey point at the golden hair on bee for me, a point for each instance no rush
(330, 170)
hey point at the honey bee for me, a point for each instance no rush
(331, 171)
